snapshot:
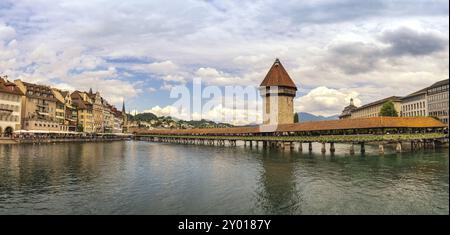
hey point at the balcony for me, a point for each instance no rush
(5, 111)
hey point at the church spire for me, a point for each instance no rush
(123, 106)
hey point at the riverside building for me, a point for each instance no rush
(10, 107)
(373, 109)
(38, 111)
(415, 104)
(437, 99)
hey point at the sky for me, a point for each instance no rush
(138, 50)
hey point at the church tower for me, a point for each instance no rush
(124, 118)
(278, 92)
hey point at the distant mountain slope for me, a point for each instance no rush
(308, 117)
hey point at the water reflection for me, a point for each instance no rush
(153, 178)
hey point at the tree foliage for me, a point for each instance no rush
(296, 118)
(388, 110)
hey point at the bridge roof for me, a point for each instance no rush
(344, 124)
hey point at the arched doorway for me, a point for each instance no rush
(8, 131)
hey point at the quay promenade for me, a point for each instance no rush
(419, 132)
(22, 136)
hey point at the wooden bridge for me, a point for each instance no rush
(420, 132)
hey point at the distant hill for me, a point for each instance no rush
(150, 119)
(142, 117)
(308, 117)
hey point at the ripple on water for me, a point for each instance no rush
(152, 178)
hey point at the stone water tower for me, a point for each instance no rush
(278, 92)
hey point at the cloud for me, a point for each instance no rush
(325, 101)
(161, 68)
(7, 33)
(346, 45)
(405, 41)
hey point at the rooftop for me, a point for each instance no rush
(277, 76)
(343, 124)
(9, 87)
(392, 98)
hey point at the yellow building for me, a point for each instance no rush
(84, 106)
(373, 109)
(278, 92)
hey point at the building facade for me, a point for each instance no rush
(84, 106)
(97, 111)
(38, 107)
(347, 112)
(437, 99)
(278, 91)
(415, 104)
(373, 109)
(10, 107)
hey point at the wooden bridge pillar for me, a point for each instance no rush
(332, 149)
(398, 148)
(300, 147)
(310, 146)
(323, 150)
(352, 149)
(363, 148)
(251, 144)
(381, 148)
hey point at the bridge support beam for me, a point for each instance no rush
(300, 147)
(332, 149)
(363, 148)
(310, 146)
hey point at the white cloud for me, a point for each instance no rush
(224, 43)
(161, 68)
(325, 101)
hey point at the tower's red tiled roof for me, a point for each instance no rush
(277, 76)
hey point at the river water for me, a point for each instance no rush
(134, 177)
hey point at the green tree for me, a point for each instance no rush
(80, 128)
(296, 117)
(388, 110)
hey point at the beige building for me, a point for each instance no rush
(84, 106)
(71, 116)
(97, 110)
(10, 107)
(60, 112)
(108, 117)
(278, 92)
(373, 109)
(437, 99)
(38, 107)
(415, 104)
